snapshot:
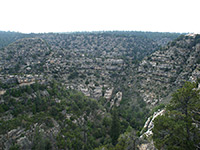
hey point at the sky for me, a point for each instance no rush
(41, 16)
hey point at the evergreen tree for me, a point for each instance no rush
(40, 142)
(179, 127)
(115, 127)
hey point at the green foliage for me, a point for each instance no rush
(196, 41)
(14, 147)
(155, 109)
(84, 124)
(127, 140)
(86, 82)
(178, 128)
(115, 127)
(8, 37)
(40, 142)
(3, 85)
(84, 129)
(134, 113)
(73, 75)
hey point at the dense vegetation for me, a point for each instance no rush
(40, 108)
(36, 104)
(178, 128)
(8, 37)
(83, 122)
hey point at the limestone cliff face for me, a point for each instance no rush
(166, 70)
(148, 126)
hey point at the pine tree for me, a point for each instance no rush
(179, 127)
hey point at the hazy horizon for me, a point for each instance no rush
(180, 16)
(69, 32)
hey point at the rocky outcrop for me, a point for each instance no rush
(101, 66)
(166, 70)
(146, 146)
(148, 126)
(83, 61)
(25, 138)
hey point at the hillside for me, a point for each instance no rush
(84, 61)
(164, 71)
(9, 37)
(46, 116)
(67, 88)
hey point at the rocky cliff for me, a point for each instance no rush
(167, 69)
(39, 76)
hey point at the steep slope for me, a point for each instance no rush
(24, 56)
(46, 116)
(94, 63)
(166, 70)
(7, 38)
(104, 66)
